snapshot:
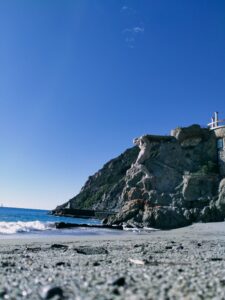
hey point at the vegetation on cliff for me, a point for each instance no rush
(105, 182)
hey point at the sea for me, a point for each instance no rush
(23, 222)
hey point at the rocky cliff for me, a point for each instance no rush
(102, 191)
(162, 182)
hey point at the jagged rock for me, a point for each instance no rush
(139, 211)
(191, 142)
(165, 217)
(144, 145)
(199, 186)
(189, 133)
(132, 211)
(210, 213)
(160, 199)
(170, 181)
(221, 201)
(222, 186)
(103, 190)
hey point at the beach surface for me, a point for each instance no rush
(185, 263)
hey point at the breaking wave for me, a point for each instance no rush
(24, 227)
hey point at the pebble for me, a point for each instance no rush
(3, 292)
(180, 247)
(193, 273)
(60, 263)
(91, 250)
(59, 246)
(48, 292)
(119, 281)
(168, 247)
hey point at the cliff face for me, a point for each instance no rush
(102, 190)
(170, 181)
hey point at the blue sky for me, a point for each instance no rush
(80, 79)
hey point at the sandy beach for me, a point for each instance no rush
(185, 263)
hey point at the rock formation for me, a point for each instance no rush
(171, 181)
(102, 191)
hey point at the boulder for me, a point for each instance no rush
(199, 186)
(131, 211)
(141, 212)
(193, 132)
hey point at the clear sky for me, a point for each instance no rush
(79, 79)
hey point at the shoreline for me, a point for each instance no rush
(184, 263)
(208, 231)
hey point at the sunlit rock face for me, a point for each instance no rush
(162, 182)
(221, 199)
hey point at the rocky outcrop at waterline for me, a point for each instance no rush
(163, 182)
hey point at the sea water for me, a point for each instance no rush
(20, 222)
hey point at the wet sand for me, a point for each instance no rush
(186, 263)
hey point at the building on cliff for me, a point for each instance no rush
(218, 127)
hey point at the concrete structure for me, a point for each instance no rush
(218, 128)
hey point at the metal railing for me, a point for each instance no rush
(216, 124)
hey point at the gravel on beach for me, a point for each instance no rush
(186, 263)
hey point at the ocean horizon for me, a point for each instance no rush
(27, 222)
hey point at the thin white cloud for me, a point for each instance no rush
(132, 34)
(127, 10)
(138, 29)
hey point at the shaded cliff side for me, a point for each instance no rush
(102, 190)
(170, 181)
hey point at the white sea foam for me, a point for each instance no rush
(139, 230)
(19, 227)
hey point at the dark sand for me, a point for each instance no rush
(186, 263)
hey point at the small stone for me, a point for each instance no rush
(216, 259)
(91, 250)
(33, 249)
(119, 282)
(7, 264)
(60, 263)
(116, 291)
(180, 247)
(24, 293)
(48, 292)
(59, 246)
(180, 270)
(3, 292)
